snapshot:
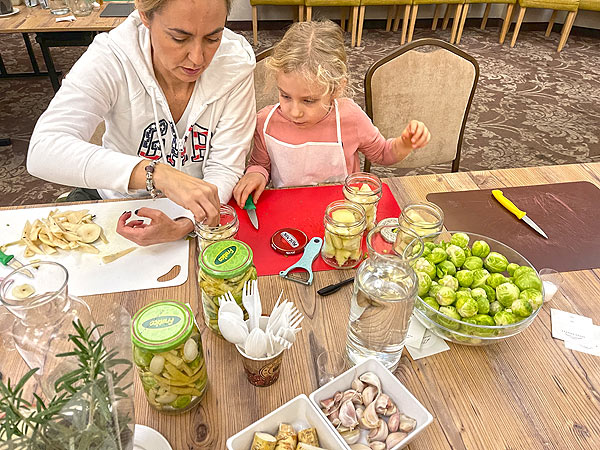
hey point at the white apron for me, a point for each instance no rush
(306, 164)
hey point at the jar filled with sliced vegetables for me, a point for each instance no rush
(345, 223)
(227, 228)
(167, 350)
(224, 267)
(366, 190)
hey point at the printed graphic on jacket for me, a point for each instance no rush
(150, 145)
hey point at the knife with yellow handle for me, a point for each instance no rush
(522, 215)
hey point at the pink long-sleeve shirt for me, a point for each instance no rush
(358, 135)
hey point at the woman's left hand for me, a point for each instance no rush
(415, 135)
(160, 229)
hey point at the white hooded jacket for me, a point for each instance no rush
(114, 81)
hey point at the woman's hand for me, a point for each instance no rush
(415, 135)
(252, 183)
(160, 229)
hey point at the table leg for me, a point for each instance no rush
(48, 60)
(34, 64)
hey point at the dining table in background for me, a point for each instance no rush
(527, 392)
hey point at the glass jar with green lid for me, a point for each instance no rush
(167, 350)
(224, 267)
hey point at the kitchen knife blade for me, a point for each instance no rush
(250, 208)
(522, 215)
(11, 261)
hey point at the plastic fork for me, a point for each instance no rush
(257, 303)
(248, 302)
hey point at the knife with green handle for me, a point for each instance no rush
(250, 208)
(521, 215)
(11, 261)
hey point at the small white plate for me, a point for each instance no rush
(146, 438)
(14, 11)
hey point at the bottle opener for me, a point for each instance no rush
(311, 251)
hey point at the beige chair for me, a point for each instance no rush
(256, 3)
(265, 88)
(435, 87)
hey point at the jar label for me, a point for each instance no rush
(225, 255)
(161, 322)
(225, 259)
(161, 325)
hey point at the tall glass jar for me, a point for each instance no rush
(365, 189)
(385, 290)
(224, 267)
(344, 223)
(227, 228)
(37, 295)
(167, 350)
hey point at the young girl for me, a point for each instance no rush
(313, 135)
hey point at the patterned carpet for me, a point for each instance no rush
(532, 107)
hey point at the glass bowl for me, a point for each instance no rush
(466, 333)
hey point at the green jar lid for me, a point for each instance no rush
(162, 325)
(226, 259)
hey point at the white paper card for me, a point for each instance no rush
(570, 326)
(70, 18)
(415, 333)
(430, 345)
(590, 345)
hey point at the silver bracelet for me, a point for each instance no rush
(150, 180)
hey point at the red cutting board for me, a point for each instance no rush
(301, 208)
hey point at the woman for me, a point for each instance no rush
(175, 89)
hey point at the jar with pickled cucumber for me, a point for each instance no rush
(224, 267)
(227, 228)
(167, 350)
(345, 223)
(366, 190)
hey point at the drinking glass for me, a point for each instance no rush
(329, 365)
(551, 280)
(58, 7)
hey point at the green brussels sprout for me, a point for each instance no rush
(521, 308)
(449, 281)
(465, 278)
(522, 270)
(480, 249)
(431, 302)
(473, 263)
(480, 276)
(466, 306)
(505, 318)
(422, 265)
(483, 304)
(456, 255)
(495, 262)
(429, 245)
(445, 268)
(141, 357)
(507, 293)
(417, 248)
(462, 295)
(528, 281)
(436, 256)
(478, 292)
(468, 253)
(424, 283)
(451, 312)
(483, 319)
(490, 291)
(434, 289)
(460, 239)
(495, 307)
(426, 252)
(533, 296)
(148, 381)
(444, 245)
(511, 269)
(496, 279)
(464, 289)
(445, 296)
(181, 401)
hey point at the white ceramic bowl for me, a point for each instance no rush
(390, 385)
(298, 412)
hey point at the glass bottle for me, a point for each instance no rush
(365, 189)
(344, 223)
(37, 295)
(385, 290)
(227, 228)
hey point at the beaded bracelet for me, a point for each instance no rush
(150, 180)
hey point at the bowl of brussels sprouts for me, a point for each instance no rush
(474, 290)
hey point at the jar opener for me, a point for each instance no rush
(311, 251)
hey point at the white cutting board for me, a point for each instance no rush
(88, 275)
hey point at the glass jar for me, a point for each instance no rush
(344, 223)
(365, 189)
(228, 228)
(167, 350)
(37, 295)
(423, 217)
(80, 7)
(385, 290)
(224, 267)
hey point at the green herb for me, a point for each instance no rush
(84, 413)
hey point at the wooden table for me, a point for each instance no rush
(527, 392)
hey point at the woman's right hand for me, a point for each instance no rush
(252, 183)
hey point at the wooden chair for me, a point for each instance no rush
(352, 4)
(556, 5)
(393, 6)
(256, 3)
(586, 5)
(435, 87)
(510, 4)
(438, 3)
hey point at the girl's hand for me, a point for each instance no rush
(415, 135)
(160, 229)
(252, 183)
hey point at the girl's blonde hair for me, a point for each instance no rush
(149, 7)
(315, 50)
